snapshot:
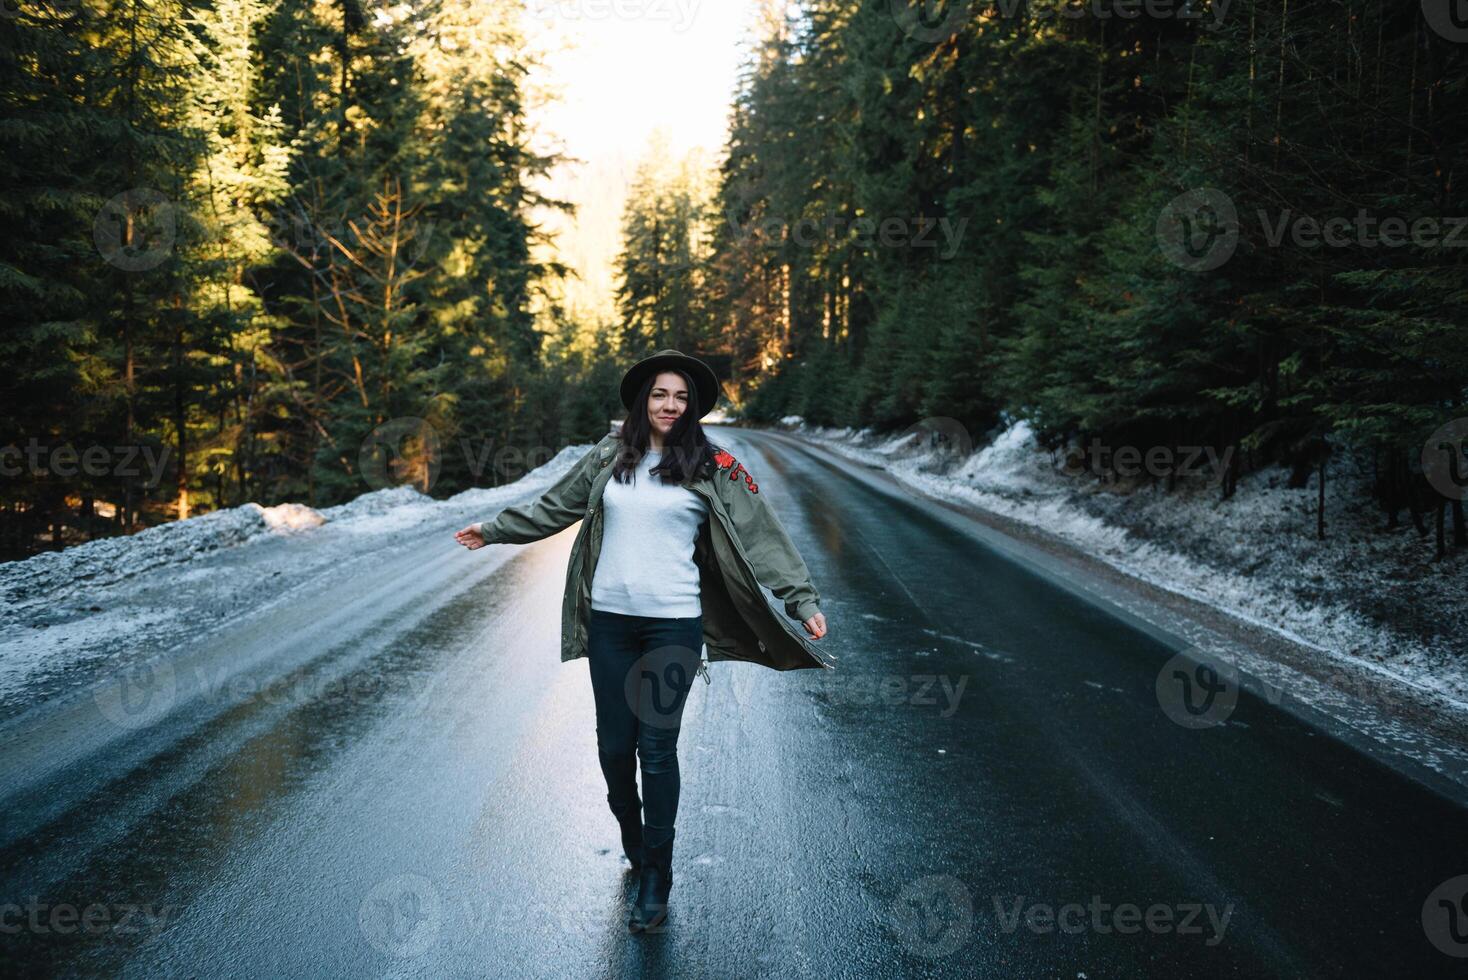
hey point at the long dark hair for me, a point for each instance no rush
(687, 453)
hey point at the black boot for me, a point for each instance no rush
(629, 816)
(656, 881)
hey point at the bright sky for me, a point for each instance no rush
(619, 70)
(634, 65)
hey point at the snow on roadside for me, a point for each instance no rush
(1373, 597)
(60, 575)
(67, 615)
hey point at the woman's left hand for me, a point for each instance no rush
(816, 626)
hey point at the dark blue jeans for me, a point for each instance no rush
(642, 668)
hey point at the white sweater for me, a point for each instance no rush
(646, 565)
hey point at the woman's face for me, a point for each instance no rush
(668, 400)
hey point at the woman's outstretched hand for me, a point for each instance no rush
(471, 537)
(816, 626)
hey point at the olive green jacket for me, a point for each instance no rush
(740, 548)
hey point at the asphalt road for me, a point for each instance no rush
(394, 775)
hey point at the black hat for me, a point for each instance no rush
(705, 382)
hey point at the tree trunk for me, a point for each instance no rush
(1284, 24)
(180, 420)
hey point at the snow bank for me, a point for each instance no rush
(57, 575)
(67, 577)
(66, 617)
(1374, 597)
(382, 511)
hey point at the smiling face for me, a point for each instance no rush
(667, 401)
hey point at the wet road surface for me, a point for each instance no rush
(394, 775)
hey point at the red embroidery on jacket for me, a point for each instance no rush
(725, 462)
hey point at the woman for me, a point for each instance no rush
(676, 543)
